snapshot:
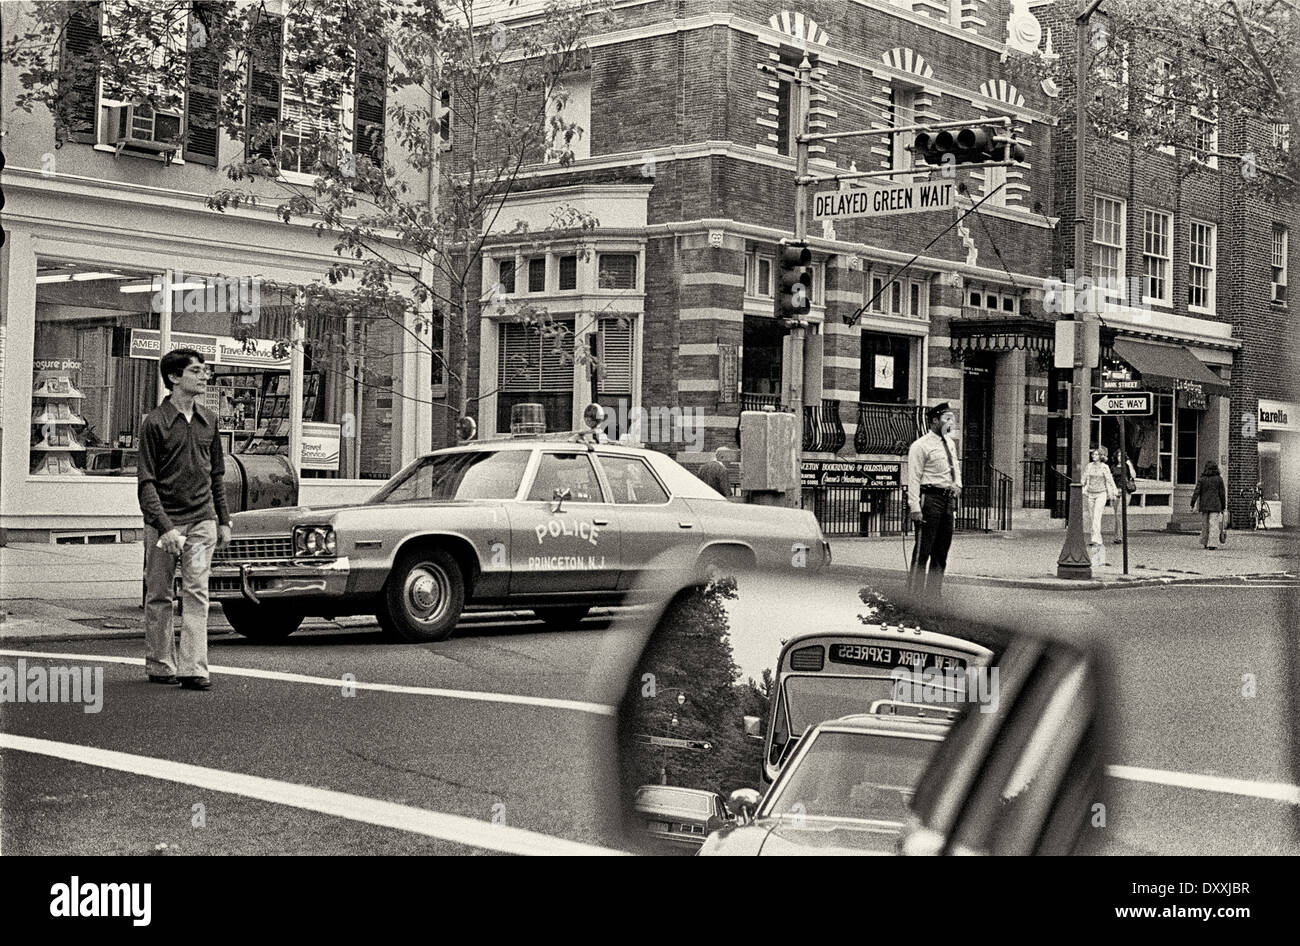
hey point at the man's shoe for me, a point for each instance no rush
(166, 679)
(195, 683)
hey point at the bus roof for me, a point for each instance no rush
(914, 637)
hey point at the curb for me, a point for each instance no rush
(1061, 584)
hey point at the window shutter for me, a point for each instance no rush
(80, 88)
(203, 94)
(516, 364)
(371, 97)
(557, 360)
(264, 82)
(616, 357)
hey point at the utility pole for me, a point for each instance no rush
(802, 100)
(1074, 561)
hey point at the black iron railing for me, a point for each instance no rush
(985, 500)
(823, 432)
(1033, 477)
(888, 428)
(853, 511)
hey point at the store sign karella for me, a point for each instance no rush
(215, 349)
(1279, 415)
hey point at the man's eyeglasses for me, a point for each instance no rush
(199, 370)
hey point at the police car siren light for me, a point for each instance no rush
(527, 420)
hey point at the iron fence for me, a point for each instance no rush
(854, 511)
(823, 431)
(888, 428)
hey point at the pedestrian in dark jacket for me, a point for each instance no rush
(1213, 499)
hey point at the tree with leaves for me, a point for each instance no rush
(409, 213)
(1169, 73)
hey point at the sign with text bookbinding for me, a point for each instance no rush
(860, 474)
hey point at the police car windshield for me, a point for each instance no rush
(482, 474)
(852, 775)
(814, 699)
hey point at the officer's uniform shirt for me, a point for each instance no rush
(929, 464)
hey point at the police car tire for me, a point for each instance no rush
(723, 561)
(416, 568)
(562, 617)
(262, 623)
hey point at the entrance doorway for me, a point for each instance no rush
(976, 442)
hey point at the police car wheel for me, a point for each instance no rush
(424, 595)
(265, 624)
(724, 562)
(562, 618)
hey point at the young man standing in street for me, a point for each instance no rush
(183, 498)
(933, 488)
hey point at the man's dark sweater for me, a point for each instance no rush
(181, 468)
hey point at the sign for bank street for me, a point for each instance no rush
(1129, 403)
(878, 201)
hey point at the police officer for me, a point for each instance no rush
(933, 488)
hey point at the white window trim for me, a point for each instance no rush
(1285, 267)
(1211, 289)
(1115, 291)
(1167, 300)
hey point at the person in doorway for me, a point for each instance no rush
(1098, 487)
(183, 498)
(933, 489)
(1212, 496)
(714, 472)
(1125, 477)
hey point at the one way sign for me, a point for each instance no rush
(1129, 404)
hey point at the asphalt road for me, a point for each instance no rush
(506, 726)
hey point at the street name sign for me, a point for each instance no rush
(695, 744)
(891, 199)
(1132, 403)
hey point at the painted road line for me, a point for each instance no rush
(384, 814)
(334, 683)
(1270, 791)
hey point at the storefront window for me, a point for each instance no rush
(1151, 441)
(88, 394)
(97, 351)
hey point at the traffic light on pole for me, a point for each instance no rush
(794, 294)
(975, 144)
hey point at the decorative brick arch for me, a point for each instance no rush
(908, 60)
(799, 27)
(1002, 91)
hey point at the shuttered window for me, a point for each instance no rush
(80, 81)
(264, 83)
(202, 86)
(617, 271)
(371, 96)
(531, 361)
(616, 357)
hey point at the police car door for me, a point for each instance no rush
(564, 536)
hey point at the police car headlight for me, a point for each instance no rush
(314, 541)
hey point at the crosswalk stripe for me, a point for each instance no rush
(335, 683)
(384, 814)
(1270, 791)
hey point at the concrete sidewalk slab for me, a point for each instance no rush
(1029, 559)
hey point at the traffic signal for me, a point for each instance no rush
(794, 294)
(974, 144)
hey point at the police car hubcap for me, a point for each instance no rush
(425, 593)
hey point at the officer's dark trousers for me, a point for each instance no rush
(938, 515)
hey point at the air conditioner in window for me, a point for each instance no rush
(1279, 292)
(142, 128)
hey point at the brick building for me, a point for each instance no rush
(688, 165)
(92, 228)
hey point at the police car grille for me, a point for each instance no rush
(263, 549)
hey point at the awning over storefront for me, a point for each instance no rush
(999, 335)
(1169, 367)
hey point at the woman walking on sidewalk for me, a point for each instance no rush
(1213, 498)
(1098, 486)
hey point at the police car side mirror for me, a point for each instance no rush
(558, 498)
(742, 803)
(1027, 776)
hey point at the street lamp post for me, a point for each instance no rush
(663, 762)
(1074, 561)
